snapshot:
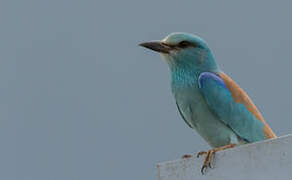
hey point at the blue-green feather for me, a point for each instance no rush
(203, 100)
(233, 114)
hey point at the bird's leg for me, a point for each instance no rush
(210, 154)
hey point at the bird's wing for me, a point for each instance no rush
(232, 106)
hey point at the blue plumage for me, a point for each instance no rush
(207, 99)
(234, 115)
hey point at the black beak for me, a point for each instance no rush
(157, 46)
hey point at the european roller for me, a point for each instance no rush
(208, 100)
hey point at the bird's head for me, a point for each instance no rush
(182, 50)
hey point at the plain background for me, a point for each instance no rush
(79, 99)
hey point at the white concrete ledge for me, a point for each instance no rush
(267, 160)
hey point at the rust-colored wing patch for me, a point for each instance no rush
(240, 96)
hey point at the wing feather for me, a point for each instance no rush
(232, 106)
(240, 96)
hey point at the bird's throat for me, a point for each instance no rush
(184, 78)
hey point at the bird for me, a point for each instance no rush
(207, 99)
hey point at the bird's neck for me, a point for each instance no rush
(184, 78)
(186, 68)
(186, 75)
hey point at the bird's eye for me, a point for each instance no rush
(184, 44)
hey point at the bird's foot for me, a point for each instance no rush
(209, 156)
(186, 156)
(201, 153)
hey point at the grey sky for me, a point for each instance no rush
(80, 99)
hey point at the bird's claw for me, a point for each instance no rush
(208, 158)
(203, 168)
(201, 153)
